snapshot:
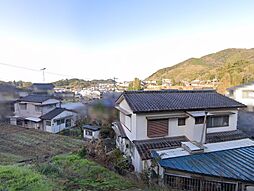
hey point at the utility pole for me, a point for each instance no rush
(114, 82)
(43, 74)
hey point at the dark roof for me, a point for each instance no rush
(37, 98)
(121, 130)
(91, 127)
(173, 100)
(145, 146)
(55, 112)
(235, 164)
(43, 86)
(240, 86)
(225, 136)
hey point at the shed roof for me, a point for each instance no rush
(233, 164)
(91, 127)
(175, 100)
(53, 113)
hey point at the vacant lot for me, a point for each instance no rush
(18, 144)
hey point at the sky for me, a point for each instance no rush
(102, 39)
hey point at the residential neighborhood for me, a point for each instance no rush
(131, 95)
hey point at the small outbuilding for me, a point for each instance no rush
(91, 131)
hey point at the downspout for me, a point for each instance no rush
(204, 129)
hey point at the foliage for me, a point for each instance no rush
(22, 178)
(83, 174)
(231, 67)
(107, 132)
(135, 84)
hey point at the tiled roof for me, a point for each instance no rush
(225, 136)
(145, 146)
(235, 164)
(173, 100)
(35, 98)
(50, 115)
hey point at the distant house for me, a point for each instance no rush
(42, 112)
(243, 93)
(42, 88)
(91, 131)
(182, 123)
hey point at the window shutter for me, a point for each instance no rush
(157, 128)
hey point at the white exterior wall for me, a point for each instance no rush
(238, 95)
(95, 134)
(54, 128)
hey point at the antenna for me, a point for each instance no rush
(43, 74)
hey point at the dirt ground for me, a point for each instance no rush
(18, 144)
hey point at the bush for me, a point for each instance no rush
(107, 132)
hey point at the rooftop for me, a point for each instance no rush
(173, 100)
(235, 163)
(43, 86)
(50, 115)
(37, 98)
(144, 147)
(240, 86)
(91, 127)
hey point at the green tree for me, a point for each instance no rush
(135, 84)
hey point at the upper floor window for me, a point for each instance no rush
(48, 123)
(181, 121)
(199, 120)
(157, 128)
(23, 106)
(218, 121)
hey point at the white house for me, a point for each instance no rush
(157, 119)
(178, 123)
(42, 112)
(91, 131)
(243, 93)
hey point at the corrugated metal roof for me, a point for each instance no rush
(173, 100)
(233, 164)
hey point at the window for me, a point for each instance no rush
(157, 128)
(58, 122)
(68, 123)
(37, 108)
(48, 123)
(62, 121)
(23, 106)
(89, 133)
(199, 120)
(181, 121)
(218, 121)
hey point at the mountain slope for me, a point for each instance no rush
(233, 66)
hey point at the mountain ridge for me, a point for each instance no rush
(224, 65)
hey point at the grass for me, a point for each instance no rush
(72, 172)
(63, 172)
(22, 178)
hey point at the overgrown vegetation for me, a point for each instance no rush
(231, 67)
(22, 178)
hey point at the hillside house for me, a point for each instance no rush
(42, 112)
(243, 93)
(173, 119)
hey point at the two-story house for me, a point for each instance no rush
(42, 112)
(243, 93)
(168, 119)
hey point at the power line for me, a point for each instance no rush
(34, 70)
